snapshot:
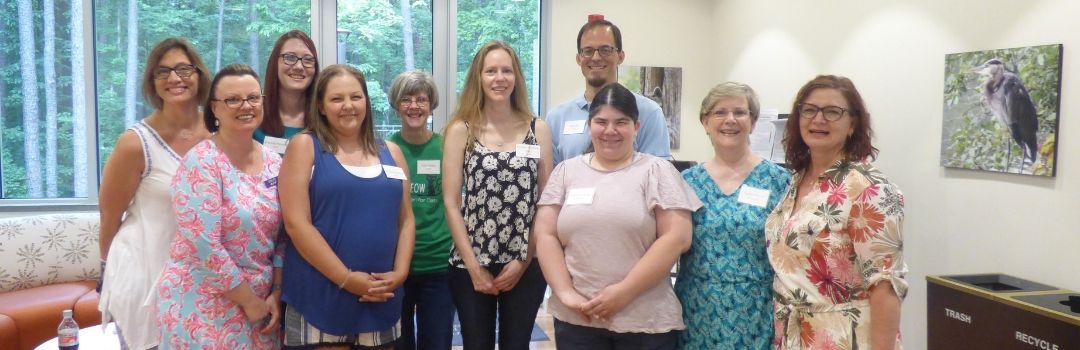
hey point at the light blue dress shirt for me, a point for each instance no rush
(652, 138)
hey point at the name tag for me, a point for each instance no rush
(528, 151)
(753, 196)
(580, 196)
(428, 167)
(394, 172)
(573, 127)
(275, 144)
(271, 182)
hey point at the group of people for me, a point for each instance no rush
(238, 216)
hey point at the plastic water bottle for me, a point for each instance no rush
(68, 333)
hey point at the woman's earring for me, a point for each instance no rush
(217, 122)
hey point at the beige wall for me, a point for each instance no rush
(957, 221)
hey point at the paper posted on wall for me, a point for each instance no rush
(767, 139)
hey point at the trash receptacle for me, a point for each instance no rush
(998, 311)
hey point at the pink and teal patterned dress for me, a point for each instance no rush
(228, 222)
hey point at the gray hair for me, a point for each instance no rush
(731, 89)
(412, 83)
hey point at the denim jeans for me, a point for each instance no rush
(573, 337)
(427, 296)
(515, 310)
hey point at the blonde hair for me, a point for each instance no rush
(319, 127)
(472, 94)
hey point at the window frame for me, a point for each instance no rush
(324, 34)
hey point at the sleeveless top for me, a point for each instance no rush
(140, 249)
(501, 191)
(358, 218)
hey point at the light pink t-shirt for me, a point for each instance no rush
(602, 240)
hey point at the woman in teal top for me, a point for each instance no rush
(290, 73)
(427, 290)
(725, 280)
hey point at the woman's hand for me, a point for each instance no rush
(383, 292)
(509, 276)
(575, 301)
(255, 309)
(482, 280)
(608, 302)
(273, 302)
(361, 283)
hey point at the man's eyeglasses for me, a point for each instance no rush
(236, 102)
(307, 61)
(830, 113)
(183, 71)
(604, 51)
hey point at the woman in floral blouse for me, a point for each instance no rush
(835, 240)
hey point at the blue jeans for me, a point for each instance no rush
(514, 310)
(427, 296)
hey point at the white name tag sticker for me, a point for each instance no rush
(580, 196)
(394, 172)
(275, 144)
(528, 151)
(573, 127)
(428, 167)
(754, 196)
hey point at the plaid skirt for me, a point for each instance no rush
(299, 334)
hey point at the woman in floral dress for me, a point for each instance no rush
(220, 289)
(835, 241)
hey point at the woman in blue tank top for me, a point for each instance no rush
(342, 195)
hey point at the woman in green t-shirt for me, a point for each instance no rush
(427, 291)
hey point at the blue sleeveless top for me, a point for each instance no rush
(358, 218)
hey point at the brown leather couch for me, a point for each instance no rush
(35, 292)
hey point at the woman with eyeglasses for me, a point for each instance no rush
(290, 74)
(427, 290)
(725, 281)
(136, 211)
(610, 226)
(221, 288)
(835, 240)
(345, 196)
(500, 155)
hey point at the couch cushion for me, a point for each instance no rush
(37, 311)
(47, 249)
(86, 308)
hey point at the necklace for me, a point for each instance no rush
(186, 134)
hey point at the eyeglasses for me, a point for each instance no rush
(604, 51)
(419, 102)
(830, 113)
(723, 113)
(183, 71)
(307, 61)
(236, 102)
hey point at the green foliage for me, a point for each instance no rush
(972, 137)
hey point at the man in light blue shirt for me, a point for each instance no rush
(599, 55)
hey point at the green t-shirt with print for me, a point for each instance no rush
(433, 239)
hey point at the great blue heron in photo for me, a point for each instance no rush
(1010, 102)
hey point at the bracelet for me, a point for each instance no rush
(346, 280)
(276, 287)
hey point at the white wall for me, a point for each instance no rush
(957, 221)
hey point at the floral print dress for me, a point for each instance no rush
(842, 239)
(228, 224)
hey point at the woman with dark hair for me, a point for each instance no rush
(136, 213)
(427, 290)
(609, 227)
(835, 239)
(290, 72)
(346, 199)
(725, 281)
(221, 288)
(502, 155)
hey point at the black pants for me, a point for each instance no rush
(573, 337)
(515, 310)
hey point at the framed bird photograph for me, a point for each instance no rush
(1002, 109)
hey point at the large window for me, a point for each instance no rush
(70, 70)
